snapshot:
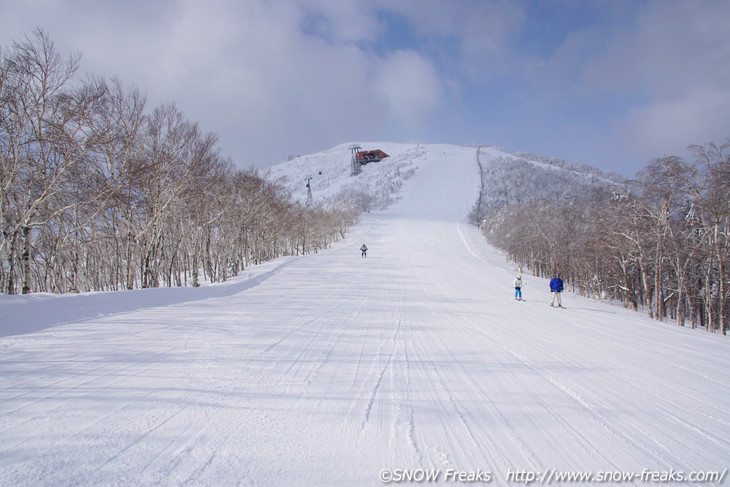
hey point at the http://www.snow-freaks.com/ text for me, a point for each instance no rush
(549, 476)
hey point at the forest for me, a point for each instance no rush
(100, 192)
(659, 243)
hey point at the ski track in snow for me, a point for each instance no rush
(325, 369)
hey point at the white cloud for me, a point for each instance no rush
(675, 62)
(410, 87)
(669, 127)
(274, 77)
(341, 21)
(472, 36)
(672, 46)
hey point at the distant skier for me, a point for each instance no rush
(518, 288)
(556, 287)
(364, 250)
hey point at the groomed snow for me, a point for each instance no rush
(326, 369)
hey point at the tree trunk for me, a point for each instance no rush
(27, 277)
(11, 263)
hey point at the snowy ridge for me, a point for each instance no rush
(340, 370)
(588, 172)
(330, 171)
(27, 313)
(511, 180)
(379, 185)
(331, 180)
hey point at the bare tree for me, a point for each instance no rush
(44, 139)
(713, 163)
(661, 243)
(98, 194)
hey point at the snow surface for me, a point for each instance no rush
(323, 370)
(329, 172)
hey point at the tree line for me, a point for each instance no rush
(99, 192)
(659, 243)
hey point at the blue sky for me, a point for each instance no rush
(610, 83)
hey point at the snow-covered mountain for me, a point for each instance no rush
(334, 369)
(329, 174)
(508, 178)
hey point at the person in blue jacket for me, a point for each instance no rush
(556, 287)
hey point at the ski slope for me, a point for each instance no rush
(336, 370)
